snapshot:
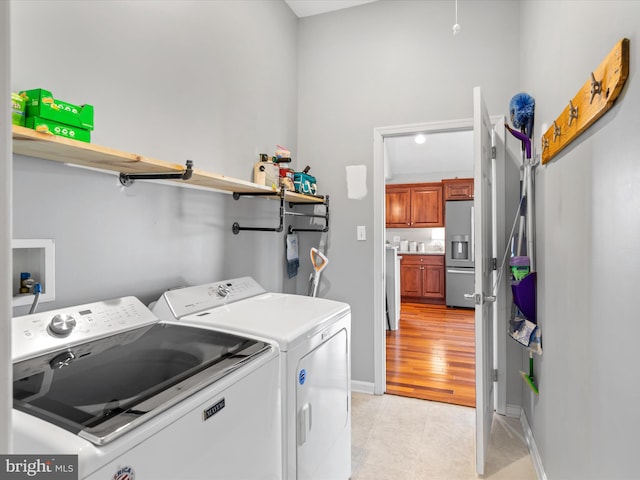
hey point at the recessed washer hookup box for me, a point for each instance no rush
(41, 103)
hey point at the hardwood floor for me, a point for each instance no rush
(432, 354)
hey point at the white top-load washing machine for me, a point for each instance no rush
(314, 336)
(138, 398)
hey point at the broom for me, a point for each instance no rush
(529, 378)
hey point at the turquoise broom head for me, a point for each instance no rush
(522, 111)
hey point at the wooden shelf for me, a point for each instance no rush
(50, 147)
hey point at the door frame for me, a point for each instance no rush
(6, 207)
(379, 335)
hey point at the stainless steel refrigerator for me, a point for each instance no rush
(459, 254)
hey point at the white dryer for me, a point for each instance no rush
(134, 397)
(314, 337)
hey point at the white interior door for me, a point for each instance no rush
(484, 295)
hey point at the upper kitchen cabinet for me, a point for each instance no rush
(426, 205)
(458, 189)
(398, 206)
(415, 205)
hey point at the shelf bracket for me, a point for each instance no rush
(313, 215)
(127, 179)
(236, 228)
(237, 195)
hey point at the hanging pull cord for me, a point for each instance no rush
(456, 27)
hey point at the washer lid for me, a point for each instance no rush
(103, 388)
(284, 318)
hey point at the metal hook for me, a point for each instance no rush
(545, 143)
(573, 112)
(596, 87)
(556, 131)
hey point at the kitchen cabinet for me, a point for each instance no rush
(422, 278)
(458, 189)
(398, 206)
(414, 205)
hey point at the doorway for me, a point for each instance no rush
(505, 169)
(430, 348)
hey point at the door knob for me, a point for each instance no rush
(480, 298)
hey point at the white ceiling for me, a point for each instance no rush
(441, 152)
(306, 8)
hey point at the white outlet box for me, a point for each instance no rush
(35, 256)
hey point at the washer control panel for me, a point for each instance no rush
(188, 300)
(42, 332)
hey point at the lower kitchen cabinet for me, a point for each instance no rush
(422, 278)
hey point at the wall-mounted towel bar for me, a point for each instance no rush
(236, 228)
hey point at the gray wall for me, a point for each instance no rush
(209, 81)
(381, 64)
(586, 417)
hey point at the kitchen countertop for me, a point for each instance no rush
(405, 252)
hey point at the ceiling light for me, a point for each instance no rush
(420, 139)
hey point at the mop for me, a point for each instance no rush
(522, 112)
(319, 262)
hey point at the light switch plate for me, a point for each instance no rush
(361, 233)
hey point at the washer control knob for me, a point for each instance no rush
(61, 325)
(223, 290)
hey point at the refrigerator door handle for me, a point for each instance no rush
(466, 272)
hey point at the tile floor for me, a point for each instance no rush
(399, 438)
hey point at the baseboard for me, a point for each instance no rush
(533, 449)
(362, 387)
(513, 411)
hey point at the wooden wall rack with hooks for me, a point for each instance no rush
(594, 99)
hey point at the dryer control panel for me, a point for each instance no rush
(46, 331)
(175, 304)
